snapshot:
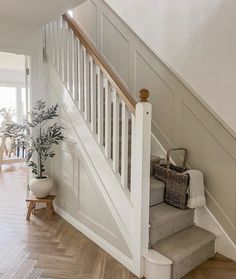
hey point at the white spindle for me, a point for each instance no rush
(69, 57)
(107, 119)
(80, 75)
(86, 85)
(116, 134)
(124, 146)
(62, 49)
(64, 44)
(75, 71)
(93, 94)
(51, 42)
(100, 105)
(59, 28)
(47, 40)
(73, 66)
(56, 44)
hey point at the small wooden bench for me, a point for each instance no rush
(33, 201)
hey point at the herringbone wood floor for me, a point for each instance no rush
(54, 249)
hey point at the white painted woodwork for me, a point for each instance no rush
(60, 62)
(107, 183)
(80, 75)
(64, 43)
(86, 85)
(67, 57)
(75, 70)
(54, 43)
(93, 107)
(156, 265)
(141, 180)
(70, 58)
(51, 49)
(101, 129)
(73, 62)
(107, 87)
(116, 134)
(124, 145)
(100, 105)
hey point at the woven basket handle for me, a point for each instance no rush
(176, 149)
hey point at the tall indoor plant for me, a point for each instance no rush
(39, 137)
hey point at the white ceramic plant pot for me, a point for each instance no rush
(41, 187)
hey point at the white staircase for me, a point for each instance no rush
(114, 133)
(113, 130)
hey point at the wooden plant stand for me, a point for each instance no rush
(33, 201)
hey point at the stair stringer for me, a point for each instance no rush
(114, 195)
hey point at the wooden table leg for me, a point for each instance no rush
(31, 205)
(49, 210)
(52, 209)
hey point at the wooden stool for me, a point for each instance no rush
(32, 204)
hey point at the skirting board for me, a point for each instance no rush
(224, 245)
(123, 259)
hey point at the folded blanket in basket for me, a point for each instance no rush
(196, 197)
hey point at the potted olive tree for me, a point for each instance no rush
(39, 137)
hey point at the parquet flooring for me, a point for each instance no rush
(45, 248)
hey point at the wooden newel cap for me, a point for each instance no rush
(144, 95)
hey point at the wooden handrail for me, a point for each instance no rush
(100, 61)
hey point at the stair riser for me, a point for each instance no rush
(156, 197)
(171, 226)
(192, 261)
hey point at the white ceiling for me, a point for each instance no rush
(35, 12)
(21, 19)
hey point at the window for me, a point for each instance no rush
(12, 104)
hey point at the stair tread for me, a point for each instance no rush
(156, 184)
(164, 212)
(184, 243)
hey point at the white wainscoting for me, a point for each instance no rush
(78, 198)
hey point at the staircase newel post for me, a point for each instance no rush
(140, 177)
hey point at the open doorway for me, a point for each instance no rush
(14, 103)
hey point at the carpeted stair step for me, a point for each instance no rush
(187, 249)
(157, 189)
(166, 220)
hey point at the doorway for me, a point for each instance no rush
(14, 106)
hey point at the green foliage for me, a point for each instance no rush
(38, 135)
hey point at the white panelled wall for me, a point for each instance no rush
(196, 39)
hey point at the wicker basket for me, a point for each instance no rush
(177, 182)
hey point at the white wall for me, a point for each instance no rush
(196, 38)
